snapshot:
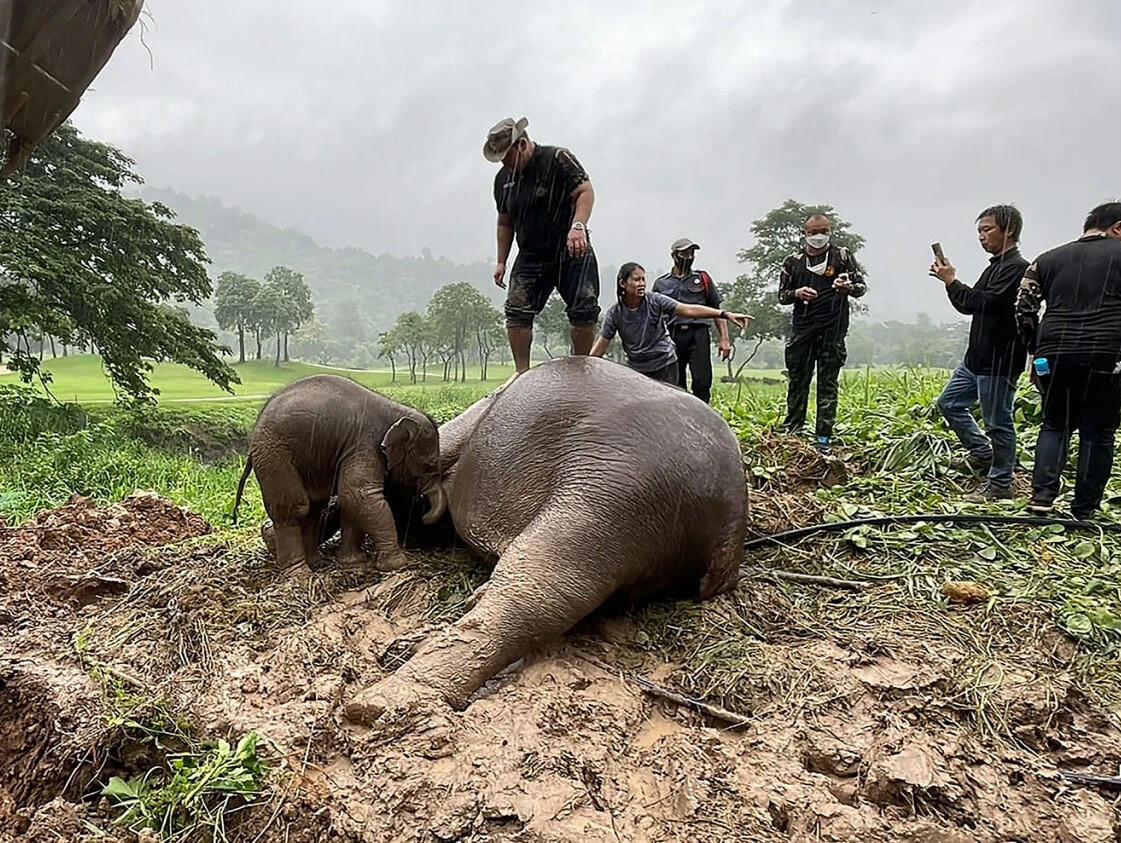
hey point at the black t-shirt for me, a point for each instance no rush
(539, 198)
(1081, 284)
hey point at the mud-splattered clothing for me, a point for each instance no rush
(539, 200)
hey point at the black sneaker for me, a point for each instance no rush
(1041, 507)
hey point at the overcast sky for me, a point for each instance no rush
(362, 124)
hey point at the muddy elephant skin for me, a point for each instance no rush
(588, 482)
(327, 435)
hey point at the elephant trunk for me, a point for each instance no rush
(437, 499)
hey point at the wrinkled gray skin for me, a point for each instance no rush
(588, 482)
(326, 435)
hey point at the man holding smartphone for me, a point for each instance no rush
(995, 357)
(817, 281)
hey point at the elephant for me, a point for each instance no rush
(327, 435)
(588, 483)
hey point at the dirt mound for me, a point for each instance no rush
(864, 735)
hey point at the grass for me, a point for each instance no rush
(81, 379)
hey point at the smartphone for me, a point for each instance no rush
(938, 253)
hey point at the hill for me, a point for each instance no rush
(357, 294)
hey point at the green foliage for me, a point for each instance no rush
(195, 795)
(358, 295)
(234, 297)
(84, 264)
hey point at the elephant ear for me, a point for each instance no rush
(398, 440)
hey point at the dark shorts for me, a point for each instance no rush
(533, 281)
(666, 374)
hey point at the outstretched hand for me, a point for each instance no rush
(740, 320)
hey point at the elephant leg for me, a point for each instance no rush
(364, 509)
(309, 529)
(286, 503)
(351, 553)
(549, 579)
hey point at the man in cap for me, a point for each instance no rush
(690, 334)
(544, 199)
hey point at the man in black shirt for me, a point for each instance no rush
(818, 281)
(995, 356)
(690, 334)
(544, 199)
(1077, 357)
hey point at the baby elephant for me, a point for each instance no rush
(324, 436)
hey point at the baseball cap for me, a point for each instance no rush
(683, 243)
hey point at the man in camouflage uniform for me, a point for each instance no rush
(817, 281)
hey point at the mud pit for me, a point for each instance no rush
(851, 737)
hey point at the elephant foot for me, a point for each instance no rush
(392, 561)
(396, 703)
(353, 561)
(268, 536)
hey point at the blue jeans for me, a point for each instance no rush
(997, 393)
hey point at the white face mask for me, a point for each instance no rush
(817, 241)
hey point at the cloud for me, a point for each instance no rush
(363, 123)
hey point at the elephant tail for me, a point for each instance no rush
(241, 485)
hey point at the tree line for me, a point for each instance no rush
(279, 306)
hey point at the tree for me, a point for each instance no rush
(778, 235)
(295, 297)
(234, 297)
(452, 313)
(84, 264)
(270, 313)
(412, 335)
(551, 324)
(389, 345)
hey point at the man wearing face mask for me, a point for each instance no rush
(544, 199)
(690, 335)
(817, 281)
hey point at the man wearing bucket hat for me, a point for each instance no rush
(544, 199)
(690, 335)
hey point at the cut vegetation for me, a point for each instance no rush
(162, 674)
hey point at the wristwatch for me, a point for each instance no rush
(580, 226)
(723, 314)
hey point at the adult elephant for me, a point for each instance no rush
(588, 482)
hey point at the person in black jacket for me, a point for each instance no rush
(817, 281)
(995, 357)
(1077, 357)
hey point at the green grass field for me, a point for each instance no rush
(82, 380)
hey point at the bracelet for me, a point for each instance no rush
(723, 314)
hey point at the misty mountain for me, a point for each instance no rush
(356, 294)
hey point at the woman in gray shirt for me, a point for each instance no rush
(639, 318)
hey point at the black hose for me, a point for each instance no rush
(883, 520)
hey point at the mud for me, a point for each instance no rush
(557, 748)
